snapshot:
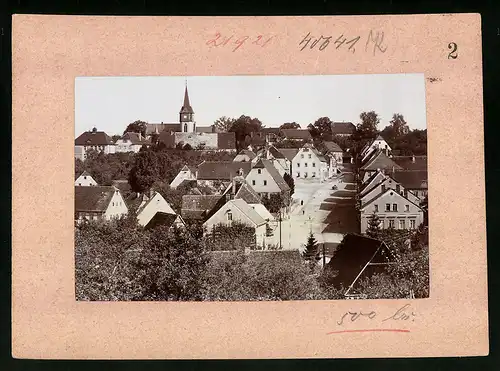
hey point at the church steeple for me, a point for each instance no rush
(186, 114)
(186, 106)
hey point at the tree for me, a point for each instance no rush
(79, 167)
(115, 137)
(367, 128)
(144, 172)
(399, 125)
(290, 125)
(273, 203)
(311, 251)
(224, 124)
(291, 183)
(374, 229)
(243, 127)
(137, 126)
(321, 129)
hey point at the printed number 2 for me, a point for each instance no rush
(453, 54)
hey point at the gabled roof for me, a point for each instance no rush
(411, 179)
(159, 128)
(198, 206)
(93, 138)
(266, 164)
(85, 173)
(248, 153)
(134, 138)
(352, 255)
(276, 153)
(380, 161)
(289, 153)
(168, 210)
(381, 194)
(411, 162)
(247, 193)
(186, 105)
(94, 199)
(226, 140)
(163, 219)
(303, 134)
(275, 131)
(332, 147)
(343, 128)
(247, 210)
(222, 170)
(379, 137)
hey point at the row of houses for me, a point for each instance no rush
(392, 187)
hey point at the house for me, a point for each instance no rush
(98, 203)
(266, 180)
(272, 134)
(296, 134)
(150, 206)
(198, 207)
(393, 210)
(279, 160)
(414, 181)
(343, 129)
(378, 161)
(245, 155)
(333, 151)
(309, 163)
(355, 259)
(378, 143)
(386, 182)
(131, 142)
(219, 174)
(85, 180)
(238, 210)
(93, 140)
(186, 173)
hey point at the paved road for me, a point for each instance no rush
(327, 213)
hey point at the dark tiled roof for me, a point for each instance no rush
(380, 161)
(332, 147)
(351, 256)
(222, 170)
(411, 179)
(275, 131)
(204, 129)
(159, 128)
(198, 206)
(411, 162)
(343, 128)
(93, 138)
(248, 153)
(226, 140)
(289, 153)
(263, 163)
(93, 198)
(303, 134)
(162, 219)
(248, 194)
(275, 152)
(134, 138)
(167, 138)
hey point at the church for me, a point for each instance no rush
(187, 132)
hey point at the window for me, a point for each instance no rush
(265, 182)
(84, 177)
(376, 208)
(383, 188)
(229, 216)
(407, 207)
(302, 156)
(387, 207)
(185, 127)
(402, 224)
(314, 164)
(314, 174)
(259, 171)
(113, 204)
(79, 184)
(412, 224)
(298, 175)
(310, 156)
(305, 165)
(394, 207)
(391, 223)
(253, 182)
(298, 164)
(398, 188)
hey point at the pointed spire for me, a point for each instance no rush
(186, 106)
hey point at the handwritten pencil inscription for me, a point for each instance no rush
(236, 42)
(374, 42)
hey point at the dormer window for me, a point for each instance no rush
(259, 171)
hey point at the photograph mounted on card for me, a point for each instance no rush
(279, 180)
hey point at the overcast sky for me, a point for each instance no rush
(111, 103)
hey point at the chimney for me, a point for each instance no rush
(413, 158)
(383, 188)
(233, 188)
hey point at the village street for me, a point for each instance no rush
(326, 212)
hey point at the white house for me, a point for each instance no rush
(98, 203)
(186, 173)
(93, 140)
(378, 143)
(394, 211)
(131, 142)
(279, 161)
(369, 193)
(85, 180)
(239, 210)
(152, 205)
(309, 163)
(265, 179)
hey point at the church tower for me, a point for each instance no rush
(186, 115)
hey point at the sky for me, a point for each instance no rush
(111, 103)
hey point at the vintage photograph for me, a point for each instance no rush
(251, 188)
